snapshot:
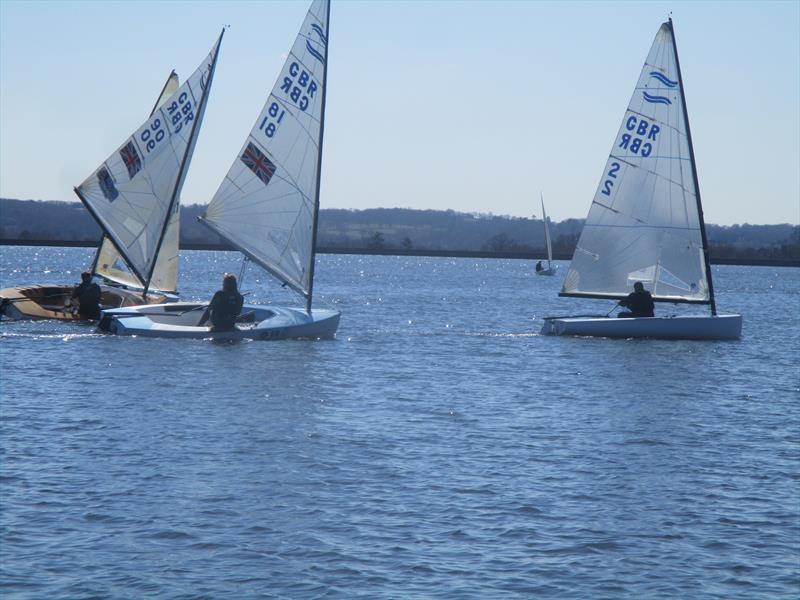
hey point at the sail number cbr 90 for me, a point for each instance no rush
(180, 112)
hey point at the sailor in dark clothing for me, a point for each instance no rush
(640, 303)
(539, 266)
(88, 296)
(225, 306)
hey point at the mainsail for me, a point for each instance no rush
(110, 264)
(133, 195)
(645, 223)
(267, 204)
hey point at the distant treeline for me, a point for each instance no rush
(382, 230)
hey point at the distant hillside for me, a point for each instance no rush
(384, 229)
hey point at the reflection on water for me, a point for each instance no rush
(439, 447)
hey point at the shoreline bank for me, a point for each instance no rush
(751, 262)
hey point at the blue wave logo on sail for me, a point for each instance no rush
(309, 46)
(660, 76)
(320, 33)
(656, 99)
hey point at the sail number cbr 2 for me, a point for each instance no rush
(641, 134)
(638, 138)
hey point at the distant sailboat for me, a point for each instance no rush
(119, 284)
(646, 221)
(551, 268)
(267, 206)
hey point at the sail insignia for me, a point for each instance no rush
(132, 195)
(266, 204)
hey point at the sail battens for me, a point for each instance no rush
(643, 223)
(641, 226)
(265, 204)
(277, 273)
(612, 296)
(131, 194)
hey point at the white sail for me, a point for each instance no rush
(547, 236)
(644, 223)
(135, 191)
(170, 87)
(110, 264)
(266, 205)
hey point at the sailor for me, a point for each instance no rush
(640, 303)
(88, 296)
(225, 306)
(539, 266)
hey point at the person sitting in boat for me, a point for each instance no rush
(640, 303)
(88, 296)
(225, 306)
(539, 266)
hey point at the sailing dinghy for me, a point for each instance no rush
(646, 220)
(134, 197)
(267, 206)
(551, 268)
(118, 286)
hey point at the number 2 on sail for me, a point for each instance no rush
(608, 184)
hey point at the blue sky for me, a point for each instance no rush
(470, 106)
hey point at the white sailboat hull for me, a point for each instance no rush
(689, 327)
(258, 322)
(550, 271)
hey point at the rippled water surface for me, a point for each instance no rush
(438, 448)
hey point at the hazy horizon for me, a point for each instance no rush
(468, 106)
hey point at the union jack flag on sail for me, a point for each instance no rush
(107, 184)
(258, 163)
(131, 159)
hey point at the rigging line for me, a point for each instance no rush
(293, 230)
(253, 207)
(304, 64)
(271, 269)
(656, 120)
(624, 251)
(294, 112)
(642, 226)
(242, 271)
(650, 171)
(309, 139)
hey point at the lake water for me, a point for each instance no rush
(438, 448)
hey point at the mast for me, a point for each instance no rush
(319, 163)
(694, 176)
(181, 171)
(546, 233)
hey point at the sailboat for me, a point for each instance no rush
(118, 286)
(133, 195)
(646, 220)
(267, 206)
(551, 268)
